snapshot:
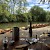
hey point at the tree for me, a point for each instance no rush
(48, 16)
(3, 12)
(44, 1)
(38, 14)
(21, 5)
(25, 4)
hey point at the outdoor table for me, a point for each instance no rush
(20, 44)
(24, 46)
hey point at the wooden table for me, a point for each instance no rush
(21, 44)
(17, 45)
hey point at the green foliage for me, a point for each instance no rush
(6, 16)
(48, 16)
(35, 14)
(3, 13)
(21, 18)
(38, 14)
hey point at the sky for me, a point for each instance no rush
(35, 2)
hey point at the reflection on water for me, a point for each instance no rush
(11, 25)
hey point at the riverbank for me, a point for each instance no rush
(10, 28)
(18, 24)
(25, 33)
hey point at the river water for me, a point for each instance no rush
(11, 25)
